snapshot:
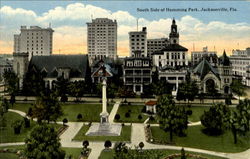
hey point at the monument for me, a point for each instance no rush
(104, 128)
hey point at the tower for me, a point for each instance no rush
(174, 35)
(20, 66)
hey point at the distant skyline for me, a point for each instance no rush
(218, 30)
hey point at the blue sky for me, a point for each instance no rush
(220, 30)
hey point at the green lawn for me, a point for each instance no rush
(8, 156)
(7, 134)
(90, 112)
(196, 139)
(125, 135)
(74, 152)
(196, 113)
(109, 154)
(135, 111)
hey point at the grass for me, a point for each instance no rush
(7, 133)
(125, 135)
(196, 139)
(196, 113)
(90, 112)
(73, 152)
(8, 156)
(109, 154)
(135, 111)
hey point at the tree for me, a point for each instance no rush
(5, 105)
(47, 108)
(62, 88)
(26, 122)
(238, 88)
(107, 144)
(214, 119)
(183, 155)
(211, 89)
(77, 89)
(85, 143)
(187, 91)
(17, 125)
(161, 87)
(112, 89)
(243, 109)
(172, 118)
(139, 117)
(11, 80)
(33, 83)
(42, 143)
(141, 145)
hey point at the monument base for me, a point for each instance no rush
(104, 129)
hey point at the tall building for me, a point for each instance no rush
(102, 39)
(34, 40)
(138, 42)
(240, 60)
(210, 56)
(137, 72)
(156, 45)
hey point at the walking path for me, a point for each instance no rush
(137, 136)
(113, 111)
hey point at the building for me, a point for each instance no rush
(5, 65)
(138, 42)
(197, 57)
(173, 54)
(248, 76)
(240, 60)
(137, 72)
(71, 67)
(156, 45)
(35, 40)
(102, 39)
(151, 107)
(219, 77)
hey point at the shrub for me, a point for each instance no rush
(140, 117)
(123, 124)
(64, 98)
(151, 118)
(129, 111)
(65, 120)
(107, 144)
(17, 125)
(141, 145)
(85, 143)
(26, 122)
(183, 156)
(79, 117)
(30, 112)
(117, 117)
(127, 115)
(189, 112)
(143, 109)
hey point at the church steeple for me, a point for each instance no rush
(174, 35)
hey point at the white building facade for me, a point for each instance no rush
(35, 40)
(197, 56)
(102, 39)
(138, 42)
(240, 60)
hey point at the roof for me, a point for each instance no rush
(224, 59)
(151, 103)
(78, 64)
(171, 47)
(203, 68)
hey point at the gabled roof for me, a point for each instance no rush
(151, 103)
(105, 71)
(171, 47)
(78, 64)
(203, 68)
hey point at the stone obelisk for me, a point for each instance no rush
(104, 114)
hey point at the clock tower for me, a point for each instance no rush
(174, 35)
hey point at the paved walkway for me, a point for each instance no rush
(137, 136)
(114, 111)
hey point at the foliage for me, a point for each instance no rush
(107, 144)
(238, 88)
(77, 89)
(172, 118)
(79, 117)
(33, 83)
(183, 155)
(47, 108)
(211, 89)
(161, 87)
(112, 90)
(17, 125)
(243, 109)
(61, 86)
(215, 119)
(187, 91)
(141, 145)
(11, 79)
(26, 122)
(124, 92)
(139, 117)
(5, 105)
(3, 122)
(127, 115)
(65, 120)
(42, 143)
(85, 143)
(117, 117)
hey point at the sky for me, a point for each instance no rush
(226, 29)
